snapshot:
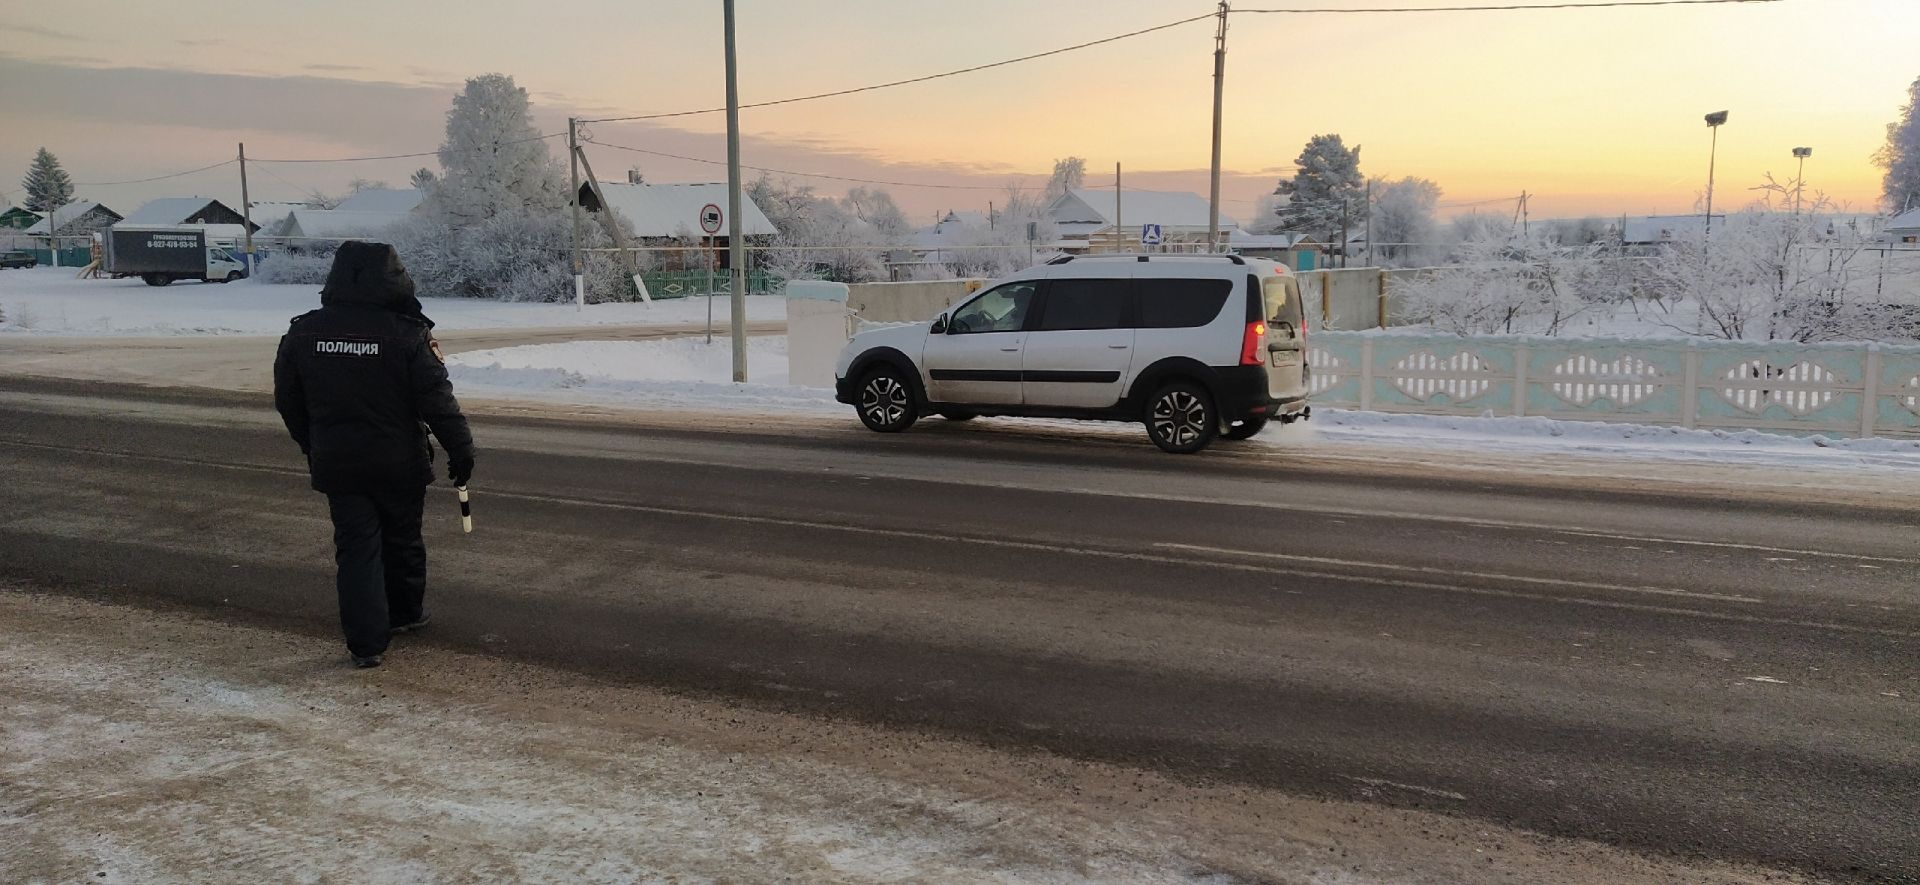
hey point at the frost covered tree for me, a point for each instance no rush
(47, 185)
(1403, 226)
(819, 237)
(1502, 283)
(1771, 274)
(1068, 174)
(1326, 183)
(493, 159)
(422, 178)
(1901, 156)
(877, 208)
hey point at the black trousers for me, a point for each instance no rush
(383, 564)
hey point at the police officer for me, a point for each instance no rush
(359, 383)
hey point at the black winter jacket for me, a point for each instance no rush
(358, 383)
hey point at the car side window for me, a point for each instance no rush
(1085, 304)
(1180, 303)
(1000, 309)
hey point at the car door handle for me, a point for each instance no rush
(1118, 346)
(1014, 349)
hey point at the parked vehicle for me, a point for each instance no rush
(1193, 346)
(18, 259)
(161, 254)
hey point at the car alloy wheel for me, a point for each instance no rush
(886, 402)
(1181, 420)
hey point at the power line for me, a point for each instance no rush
(154, 178)
(432, 153)
(1600, 4)
(957, 187)
(922, 79)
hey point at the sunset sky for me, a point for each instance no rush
(1593, 111)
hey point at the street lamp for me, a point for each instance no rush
(1714, 120)
(1800, 177)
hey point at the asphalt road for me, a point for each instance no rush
(1690, 671)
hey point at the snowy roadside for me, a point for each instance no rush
(689, 374)
(52, 302)
(151, 747)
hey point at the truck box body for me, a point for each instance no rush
(180, 251)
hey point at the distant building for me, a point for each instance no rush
(16, 218)
(1088, 220)
(183, 210)
(1296, 251)
(79, 219)
(1655, 230)
(670, 211)
(268, 216)
(1904, 228)
(397, 201)
(326, 228)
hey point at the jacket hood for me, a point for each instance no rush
(371, 274)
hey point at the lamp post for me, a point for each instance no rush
(1714, 121)
(1800, 177)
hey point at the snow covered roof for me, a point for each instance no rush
(268, 215)
(1244, 240)
(1664, 228)
(1905, 221)
(668, 210)
(383, 199)
(1165, 208)
(177, 210)
(66, 215)
(330, 224)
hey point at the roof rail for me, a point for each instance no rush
(1138, 256)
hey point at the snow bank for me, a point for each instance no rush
(688, 373)
(680, 373)
(50, 301)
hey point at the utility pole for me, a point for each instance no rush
(1800, 177)
(736, 247)
(1370, 260)
(573, 199)
(1344, 209)
(1219, 90)
(1119, 229)
(1524, 214)
(1714, 121)
(989, 215)
(246, 208)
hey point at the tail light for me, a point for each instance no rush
(1250, 346)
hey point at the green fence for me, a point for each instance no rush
(74, 257)
(689, 283)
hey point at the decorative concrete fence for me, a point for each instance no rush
(1833, 389)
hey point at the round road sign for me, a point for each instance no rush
(710, 218)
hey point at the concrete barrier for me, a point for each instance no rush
(817, 327)
(1838, 389)
(909, 302)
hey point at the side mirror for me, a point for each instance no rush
(939, 325)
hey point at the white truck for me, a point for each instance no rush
(160, 254)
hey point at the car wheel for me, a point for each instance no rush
(1180, 418)
(886, 401)
(958, 416)
(234, 277)
(154, 279)
(1245, 429)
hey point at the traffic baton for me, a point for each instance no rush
(466, 510)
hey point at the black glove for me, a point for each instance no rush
(460, 470)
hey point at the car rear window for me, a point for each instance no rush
(1282, 296)
(1085, 304)
(1180, 304)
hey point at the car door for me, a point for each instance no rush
(976, 358)
(1286, 336)
(1081, 344)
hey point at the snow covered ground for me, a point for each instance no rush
(50, 301)
(687, 373)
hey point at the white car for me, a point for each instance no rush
(1193, 346)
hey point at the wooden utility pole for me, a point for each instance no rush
(1219, 90)
(736, 246)
(573, 199)
(246, 208)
